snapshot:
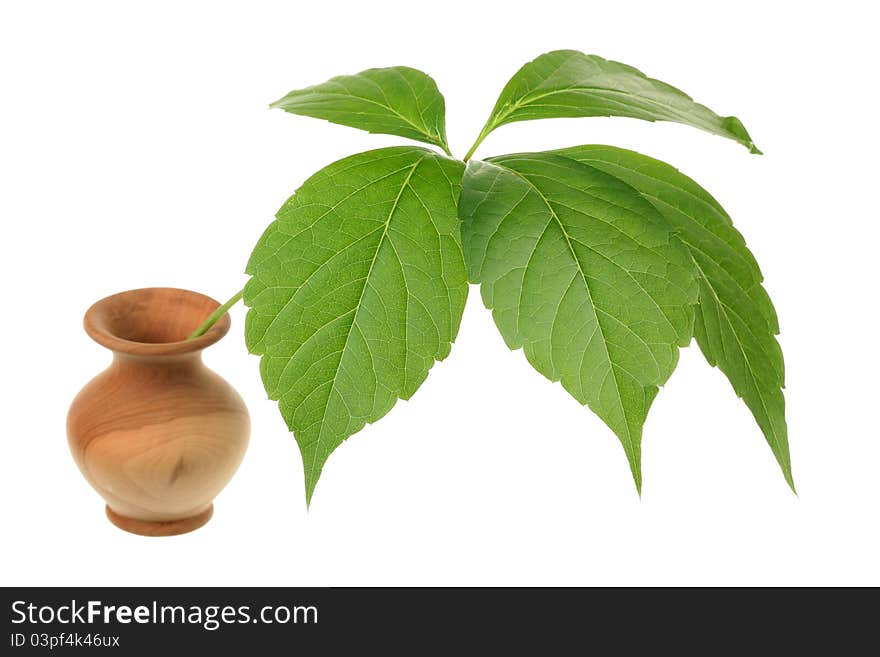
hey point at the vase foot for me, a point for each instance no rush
(160, 528)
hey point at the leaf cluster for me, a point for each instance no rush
(599, 263)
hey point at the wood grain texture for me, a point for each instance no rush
(157, 434)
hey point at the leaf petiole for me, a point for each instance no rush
(483, 134)
(205, 326)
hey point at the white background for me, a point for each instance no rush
(136, 149)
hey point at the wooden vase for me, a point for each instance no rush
(157, 434)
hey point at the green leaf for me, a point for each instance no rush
(586, 276)
(735, 320)
(356, 289)
(394, 101)
(568, 83)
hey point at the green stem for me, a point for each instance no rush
(217, 314)
(489, 127)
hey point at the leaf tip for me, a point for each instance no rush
(280, 103)
(738, 131)
(790, 481)
(783, 458)
(635, 467)
(310, 490)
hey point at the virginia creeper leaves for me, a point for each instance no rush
(599, 263)
(586, 276)
(568, 83)
(395, 101)
(735, 320)
(357, 288)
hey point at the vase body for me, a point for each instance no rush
(157, 434)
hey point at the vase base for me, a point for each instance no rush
(160, 528)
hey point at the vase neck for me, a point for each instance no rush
(172, 365)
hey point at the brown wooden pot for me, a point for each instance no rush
(157, 434)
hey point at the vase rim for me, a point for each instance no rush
(154, 321)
